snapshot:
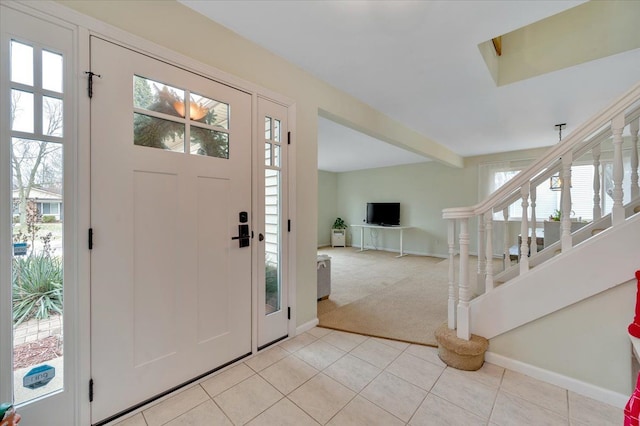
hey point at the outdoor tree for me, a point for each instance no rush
(36, 163)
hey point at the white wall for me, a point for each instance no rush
(587, 341)
(328, 208)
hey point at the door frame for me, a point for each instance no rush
(85, 26)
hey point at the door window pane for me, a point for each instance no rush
(158, 97)
(157, 133)
(51, 71)
(276, 155)
(21, 63)
(21, 111)
(210, 143)
(267, 128)
(267, 154)
(276, 130)
(37, 273)
(52, 116)
(209, 111)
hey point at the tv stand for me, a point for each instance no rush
(395, 227)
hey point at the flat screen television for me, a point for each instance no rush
(384, 214)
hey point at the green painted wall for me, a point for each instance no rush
(328, 208)
(423, 190)
(560, 341)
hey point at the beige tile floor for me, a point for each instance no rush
(336, 378)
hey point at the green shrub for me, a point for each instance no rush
(48, 219)
(37, 287)
(271, 283)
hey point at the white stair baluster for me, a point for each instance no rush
(482, 261)
(534, 224)
(524, 229)
(597, 207)
(617, 211)
(453, 300)
(506, 260)
(635, 189)
(565, 208)
(488, 217)
(464, 328)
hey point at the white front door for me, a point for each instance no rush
(170, 189)
(38, 257)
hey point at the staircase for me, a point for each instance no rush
(601, 255)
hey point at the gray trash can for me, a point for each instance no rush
(324, 276)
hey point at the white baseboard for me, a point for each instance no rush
(307, 326)
(585, 389)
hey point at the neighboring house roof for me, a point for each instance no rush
(39, 194)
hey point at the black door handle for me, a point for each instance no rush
(244, 239)
(260, 237)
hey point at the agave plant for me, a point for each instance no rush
(37, 287)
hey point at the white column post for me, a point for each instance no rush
(524, 229)
(565, 208)
(635, 189)
(597, 207)
(464, 328)
(488, 217)
(506, 260)
(482, 261)
(453, 300)
(617, 212)
(534, 223)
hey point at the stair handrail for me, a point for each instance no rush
(603, 134)
(577, 137)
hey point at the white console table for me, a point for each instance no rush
(393, 228)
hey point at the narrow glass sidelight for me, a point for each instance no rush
(273, 217)
(37, 199)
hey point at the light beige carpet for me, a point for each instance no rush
(376, 294)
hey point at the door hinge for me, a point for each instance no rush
(288, 138)
(90, 238)
(289, 225)
(289, 312)
(91, 390)
(90, 85)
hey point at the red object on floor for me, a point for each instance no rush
(632, 409)
(634, 327)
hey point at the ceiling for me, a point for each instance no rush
(419, 63)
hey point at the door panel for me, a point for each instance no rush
(171, 290)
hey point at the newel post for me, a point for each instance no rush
(464, 329)
(453, 300)
(617, 212)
